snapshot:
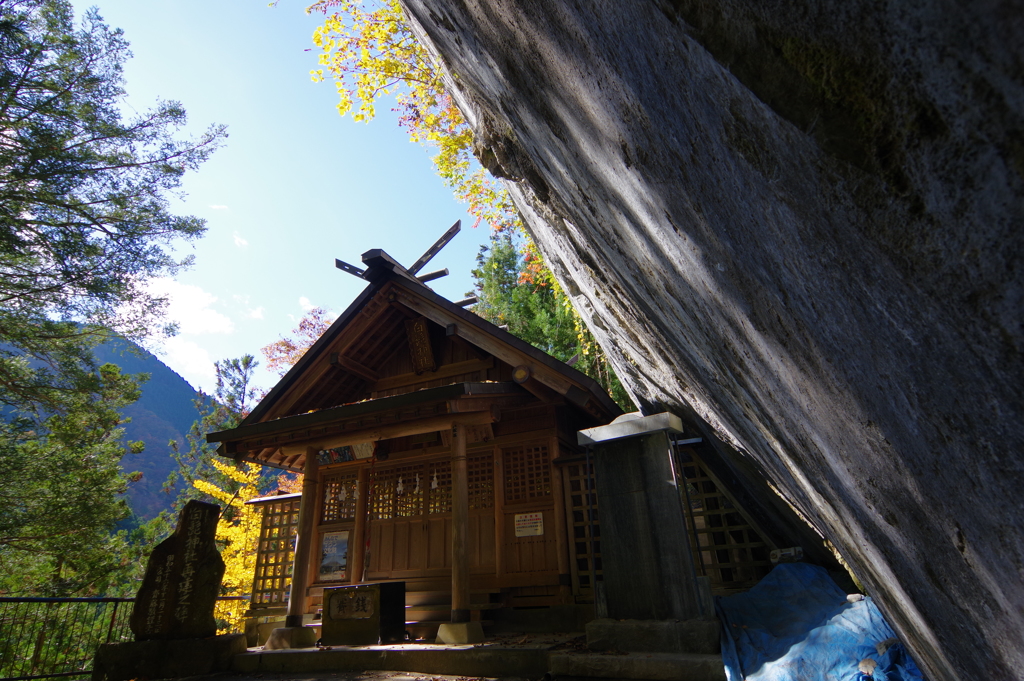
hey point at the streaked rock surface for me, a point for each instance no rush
(801, 223)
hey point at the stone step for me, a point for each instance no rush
(647, 666)
(487, 660)
(425, 611)
(653, 636)
(442, 597)
(427, 629)
(454, 660)
(448, 606)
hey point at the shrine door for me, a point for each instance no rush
(411, 518)
(529, 533)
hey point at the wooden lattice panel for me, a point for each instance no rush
(274, 553)
(382, 495)
(481, 481)
(439, 487)
(410, 487)
(340, 493)
(419, 494)
(729, 549)
(399, 492)
(582, 495)
(527, 474)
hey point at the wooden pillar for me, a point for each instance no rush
(499, 514)
(643, 523)
(303, 543)
(460, 526)
(357, 548)
(561, 536)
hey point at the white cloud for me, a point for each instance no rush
(191, 361)
(219, 207)
(250, 312)
(239, 241)
(305, 304)
(189, 306)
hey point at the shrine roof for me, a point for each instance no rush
(350, 369)
(448, 397)
(392, 296)
(293, 496)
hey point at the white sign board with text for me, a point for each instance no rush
(529, 524)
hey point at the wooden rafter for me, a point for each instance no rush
(487, 342)
(355, 367)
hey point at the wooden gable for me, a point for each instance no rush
(387, 349)
(400, 338)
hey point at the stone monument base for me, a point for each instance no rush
(460, 632)
(654, 636)
(286, 638)
(166, 659)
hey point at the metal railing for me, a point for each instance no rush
(53, 637)
(43, 638)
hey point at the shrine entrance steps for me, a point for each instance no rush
(560, 657)
(425, 611)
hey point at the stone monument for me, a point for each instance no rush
(175, 631)
(182, 580)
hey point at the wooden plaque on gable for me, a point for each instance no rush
(419, 345)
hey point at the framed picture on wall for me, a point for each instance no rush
(334, 556)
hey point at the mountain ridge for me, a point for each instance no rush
(164, 412)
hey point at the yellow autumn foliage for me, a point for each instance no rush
(370, 52)
(238, 533)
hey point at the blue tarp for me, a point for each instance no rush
(796, 624)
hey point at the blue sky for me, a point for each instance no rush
(295, 186)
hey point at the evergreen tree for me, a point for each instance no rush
(230, 403)
(83, 199)
(84, 223)
(63, 493)
(529, 310)
(225, 483)
(517, 291)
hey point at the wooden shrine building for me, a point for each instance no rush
(432, 444)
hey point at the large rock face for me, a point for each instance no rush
(800, 222)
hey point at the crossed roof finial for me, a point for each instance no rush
(416, 266)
